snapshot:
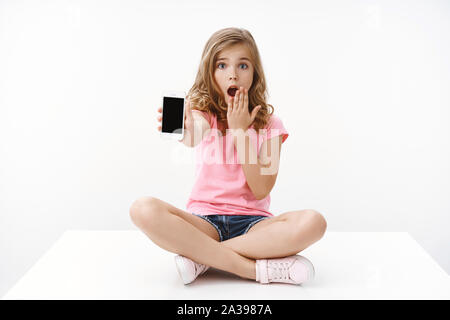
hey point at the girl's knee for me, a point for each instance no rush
(312, 220)
(320, 223)
(144, 211)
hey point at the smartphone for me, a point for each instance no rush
(172, 126)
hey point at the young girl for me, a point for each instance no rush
(227, 223)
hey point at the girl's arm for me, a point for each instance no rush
(195, 127)
(261, 176)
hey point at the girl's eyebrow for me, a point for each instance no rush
(243, 58)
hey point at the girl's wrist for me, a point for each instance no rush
(238, 130)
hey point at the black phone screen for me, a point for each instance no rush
(172, 115)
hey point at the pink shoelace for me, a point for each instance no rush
(199, 268)
(278, 270)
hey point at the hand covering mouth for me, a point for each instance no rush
(232, 90)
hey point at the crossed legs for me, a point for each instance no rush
(183, 233)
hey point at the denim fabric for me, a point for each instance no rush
(230, 226)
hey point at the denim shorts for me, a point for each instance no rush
(230, 226)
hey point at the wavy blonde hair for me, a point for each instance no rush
(205, 93)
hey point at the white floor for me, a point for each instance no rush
(127, 265)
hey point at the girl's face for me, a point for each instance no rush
(233, 69)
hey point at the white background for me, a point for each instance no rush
(361, 86)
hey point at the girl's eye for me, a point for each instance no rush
(242, 64)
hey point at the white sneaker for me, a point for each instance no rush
(188, 269)
(294, 269)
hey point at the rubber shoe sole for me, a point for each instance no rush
(311, 271)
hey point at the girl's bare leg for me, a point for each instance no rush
(168, 227)
(281, 236)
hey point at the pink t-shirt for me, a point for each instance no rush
(220, 186)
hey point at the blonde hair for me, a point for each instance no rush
(205, 93)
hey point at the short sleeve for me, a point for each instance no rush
(275, 128)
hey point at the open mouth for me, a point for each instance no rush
(232, 90)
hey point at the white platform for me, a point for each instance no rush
(127, 265)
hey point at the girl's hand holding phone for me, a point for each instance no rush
(238, 115)
(188, 118)
(159, 118)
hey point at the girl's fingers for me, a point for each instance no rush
(246, 100)
(241, 99)
(230, 104)
(159, 128)
(159, 118)
(160, 109)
